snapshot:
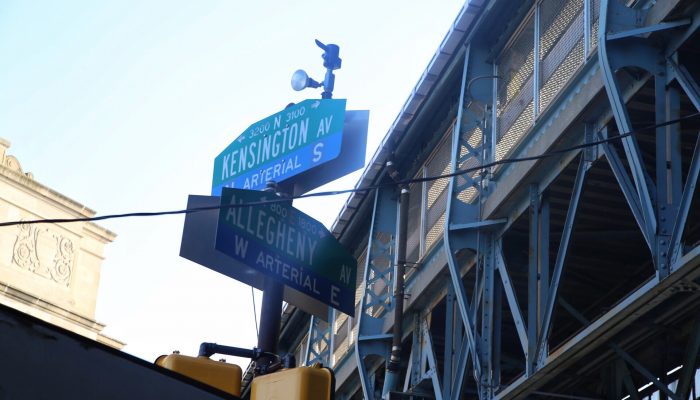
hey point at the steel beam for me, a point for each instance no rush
(623, 354)
(533, 279)
(543, 254)
(449, 352)
(512, 301)
(624, 125)
(319, 344)
(690, 361)
(371, 339)
(462, 222)
(687, 82)
(626, 187)
(627, 380)
(487, 321)
(561, 256)
(645, 30)
(684, 206)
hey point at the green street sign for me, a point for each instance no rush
(287, 245)
(281, 146)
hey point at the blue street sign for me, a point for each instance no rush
(281, 146)
(284, 243)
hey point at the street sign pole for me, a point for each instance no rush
(270, 312)
(270, 317)
(278, 248)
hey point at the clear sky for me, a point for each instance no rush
(122, 105)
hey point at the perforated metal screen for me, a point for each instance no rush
(595, 12)
(561, 45)
(561, 53)
(415, 216)
(436, 192)
(514, 106)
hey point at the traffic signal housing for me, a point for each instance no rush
(218, 374)
(302, 383)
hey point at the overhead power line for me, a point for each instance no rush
(360, 189)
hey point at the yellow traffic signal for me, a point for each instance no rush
(302, 383)
(223, 376)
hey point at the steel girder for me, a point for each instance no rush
(659, 204)
(472, 146)
(319, 343)
(422, 363)
(376, 301)
(473, 333)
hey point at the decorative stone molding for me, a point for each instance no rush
(33, 253)
(11, 162)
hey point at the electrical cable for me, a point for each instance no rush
(354, 190)
(255, 312)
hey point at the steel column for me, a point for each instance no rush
(624, 125)
(626, 186)
(690, 361)
(376, 301)
(691, 88)
(512, 301)
(487, 327)
(319, 343)
(448, 355)
(561, 256)
(684, 206)
(543, 254)
(533, 281)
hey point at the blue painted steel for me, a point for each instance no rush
(691, 356)
(687, 82)
(422, 363)
(486, 386)
(319, 343)
(649, 29)
(623, 354)
(623, 123)
(460, 293)
(533, 279)
(544, 256)
(684, 206)
(449, 352)
(371, 339)
(512, 299)
(626, 186)
(561, 256)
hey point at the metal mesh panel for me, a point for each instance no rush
(340, 341)
(300, 351)
(435, 232)
(561, 45)
(595, 13)
(413, 232)
(355, 325)
(515, 91)
(360, 280)
(564, 72)
(436, 196)
(359, 287)
(439, 164)
(515, 132)
(340, 328)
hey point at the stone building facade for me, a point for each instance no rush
(50, 271)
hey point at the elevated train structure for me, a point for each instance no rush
(562, 258)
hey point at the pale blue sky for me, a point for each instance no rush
(123, 106)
